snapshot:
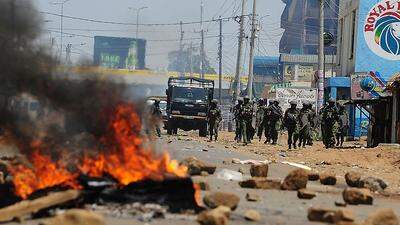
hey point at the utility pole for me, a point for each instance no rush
(252, 45)
(61, 25)
(220, 62)
(240, 52)
(321, 72)
(137, 20)
(191, 59)
(202, 41)
(180, 57)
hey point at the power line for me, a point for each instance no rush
(152, 40)
(135, 24)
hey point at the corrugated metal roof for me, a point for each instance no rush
(312, 59)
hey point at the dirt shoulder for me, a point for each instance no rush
(380, 162)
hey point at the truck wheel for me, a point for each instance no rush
(203, 130)
(170, 128)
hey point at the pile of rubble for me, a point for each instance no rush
(360, 191)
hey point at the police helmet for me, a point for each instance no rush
(293, 102)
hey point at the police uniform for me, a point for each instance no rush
(246, 119)
(330, 120)
(275, 126)
(260, 118)
(304, 124)
(290, 121)
(214, 118)
(238, 120)
(343, 125)
(267, 123)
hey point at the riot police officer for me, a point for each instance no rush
(214, 118)
(246, 118)
(238, 119)
(330, 117)
(290, 120)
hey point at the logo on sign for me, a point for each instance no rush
(382, 29)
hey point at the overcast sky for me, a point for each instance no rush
(163, 11)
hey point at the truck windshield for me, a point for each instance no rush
(189, 94)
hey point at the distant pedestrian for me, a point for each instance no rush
(276, 121)
(343, 125)
(260, 118)
(214, 118)
(330, 119)
(157, 116)
(238, 119)
(290, 120)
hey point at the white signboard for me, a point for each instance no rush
(286, 95)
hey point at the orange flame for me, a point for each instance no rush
(124, 158)
(43, 174)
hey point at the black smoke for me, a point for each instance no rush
(27, 67)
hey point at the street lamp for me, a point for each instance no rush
(61, 23)
(137, 18)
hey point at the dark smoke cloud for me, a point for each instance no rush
(26, 67)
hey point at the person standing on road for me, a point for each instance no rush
(267, 122)
(247, 118)
(260, 118)
(214, 118)
(312, 117)
(330, 119)
(276, 121)
(157, 116)
(343, 125)
(290, 121)
(238, 120)
(304, 124)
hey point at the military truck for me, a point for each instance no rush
(188, 100)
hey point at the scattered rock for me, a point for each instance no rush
(305, 194)
(373, 184)
(217, 216)
(252, 215)
(240, 170)
(355, 196)
(205, 150)
(327, 178)
(230, 175)
(347, 215)
(340, 204)
(196, 166)
(215, 199)
(295, 180)
(204, 186)
(313, 176)
(261, 183)
(204, 173)
(259, 170)
(251, 197)
(379, 155)
(353, 179)
(382, 217)
(76, 217)
(323, 215)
